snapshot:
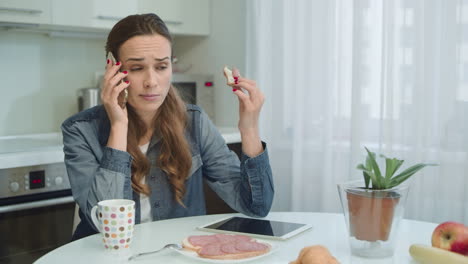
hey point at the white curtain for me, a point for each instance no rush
(339, 75)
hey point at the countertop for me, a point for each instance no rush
(37, 149)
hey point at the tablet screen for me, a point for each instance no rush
(255, 226)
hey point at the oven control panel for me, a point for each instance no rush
(33, 179)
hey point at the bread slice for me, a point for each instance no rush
(229, 76)
(187, 245)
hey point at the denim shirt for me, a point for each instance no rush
(97, 172)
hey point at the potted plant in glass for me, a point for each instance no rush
(373, 211)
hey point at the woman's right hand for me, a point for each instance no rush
(112, 86)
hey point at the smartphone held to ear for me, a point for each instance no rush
(123, 96)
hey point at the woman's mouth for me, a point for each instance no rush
(149, 97)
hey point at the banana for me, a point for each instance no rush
(432, 255)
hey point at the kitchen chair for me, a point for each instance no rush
(76, 218)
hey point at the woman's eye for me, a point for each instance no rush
(135, 69)
(162, 67)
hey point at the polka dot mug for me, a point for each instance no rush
(115, 220)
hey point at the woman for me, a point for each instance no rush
(155, 149)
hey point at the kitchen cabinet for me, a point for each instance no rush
(169, 11)
(182, 17)
(25, 11)
(92, 14)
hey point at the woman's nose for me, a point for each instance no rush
(151, 79)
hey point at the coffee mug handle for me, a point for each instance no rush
(94, 218)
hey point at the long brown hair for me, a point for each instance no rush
(170, 121)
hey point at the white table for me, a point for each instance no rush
(327, 229)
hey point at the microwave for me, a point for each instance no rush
(196, 89)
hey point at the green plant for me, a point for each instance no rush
(372, 173)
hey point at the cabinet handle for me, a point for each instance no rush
(171, 22)
(36, 204)
(113, 18)
(21, 10)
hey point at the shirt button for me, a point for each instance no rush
(156, 204)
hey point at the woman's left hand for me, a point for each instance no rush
(250, 103)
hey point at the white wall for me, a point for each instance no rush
(224, 46)
(40, 75)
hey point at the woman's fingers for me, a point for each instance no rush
(119, 88)
(243, 97)
(112, 96)
(254, 94)
(118, 78)
(252, 101)
(110, 84)
(248, 85)
(111, 70)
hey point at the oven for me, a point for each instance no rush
(196, 89)
(36, 205)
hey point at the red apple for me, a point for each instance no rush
(451, 236)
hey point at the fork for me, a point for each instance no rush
(175, 246)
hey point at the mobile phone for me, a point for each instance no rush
(123, 96)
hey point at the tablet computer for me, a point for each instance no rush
(256, 227)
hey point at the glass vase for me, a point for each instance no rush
(372, 217)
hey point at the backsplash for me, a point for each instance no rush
(40, 79)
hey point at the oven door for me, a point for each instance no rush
(32, 225)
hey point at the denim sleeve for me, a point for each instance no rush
(95, 173)
(246, 185)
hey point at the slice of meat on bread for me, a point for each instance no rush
(223, 246)
(229, 76)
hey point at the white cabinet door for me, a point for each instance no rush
(197, 18)
(108, 12)
(101, 14)
(72, 13)
(182, 17)
(25, 11)
(169, 11)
